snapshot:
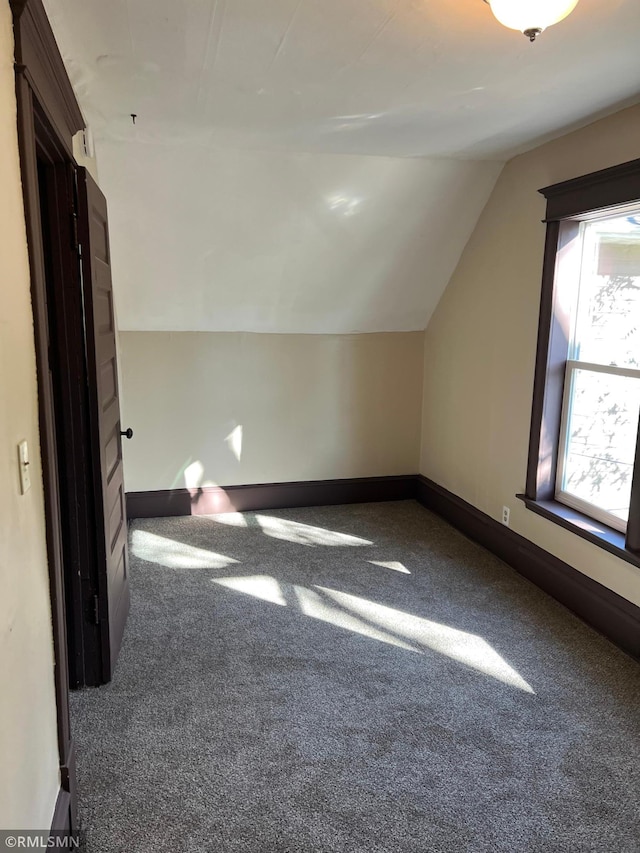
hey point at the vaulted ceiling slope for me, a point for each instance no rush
(316, 165)
(223, 240)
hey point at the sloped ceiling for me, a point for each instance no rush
(317, 165)
(211, 240)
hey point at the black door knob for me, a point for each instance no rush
(128, 433)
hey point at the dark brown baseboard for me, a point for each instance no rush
(61, 823)
(65, 813)
(607, 612)
(212, 499)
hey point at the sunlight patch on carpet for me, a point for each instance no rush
(290, 531)
(263, 587)
(394, 565)
(175, 555)
(460, 646)
(315, 605)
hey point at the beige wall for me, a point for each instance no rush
(308, 407)
(29, 776)
(480, 346)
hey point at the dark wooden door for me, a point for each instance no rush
(104, 406)
(63, 303)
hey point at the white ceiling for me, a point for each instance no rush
(317, 166)
(394, 77)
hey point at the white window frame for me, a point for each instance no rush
(566, 498)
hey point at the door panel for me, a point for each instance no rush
(113, 591)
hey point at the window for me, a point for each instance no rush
(584, 455)
(601, 400)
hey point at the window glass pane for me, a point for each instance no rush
(607, 323)
(601, 440)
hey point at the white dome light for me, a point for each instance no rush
(531, 17)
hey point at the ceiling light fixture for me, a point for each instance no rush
(531, 17)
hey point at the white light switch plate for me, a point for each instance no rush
(23, 459)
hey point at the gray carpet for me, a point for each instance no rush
(360, 679)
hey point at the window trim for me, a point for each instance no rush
(590, 196)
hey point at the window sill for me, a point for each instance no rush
(593, 531)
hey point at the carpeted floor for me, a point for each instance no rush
(359, 679)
